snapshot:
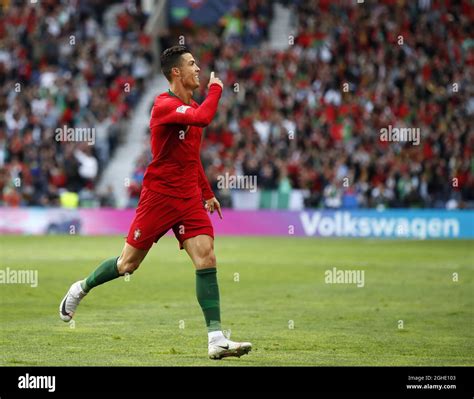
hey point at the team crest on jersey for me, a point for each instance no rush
(136, 234)
(182, 109)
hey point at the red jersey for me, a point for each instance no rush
(176, 131)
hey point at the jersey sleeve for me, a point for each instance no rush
(204, 184)
(174, 112)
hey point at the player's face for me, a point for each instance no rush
(189, 71)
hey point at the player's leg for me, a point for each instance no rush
(201, 251)
(150, 222)
(108, 270)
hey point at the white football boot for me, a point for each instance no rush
(225, 347)
(68, 305)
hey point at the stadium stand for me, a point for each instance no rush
(65, 66)
(305, 120)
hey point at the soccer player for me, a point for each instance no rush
(175, 195)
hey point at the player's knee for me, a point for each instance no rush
(206, 260)
(125, 266)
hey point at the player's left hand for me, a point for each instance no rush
(212, 205)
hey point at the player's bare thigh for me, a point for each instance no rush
(130, 259)
(201, 251)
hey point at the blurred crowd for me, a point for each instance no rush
(66, 65)
(311, 116)
(308, 117)
(362, 68)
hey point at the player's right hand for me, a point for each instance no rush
(215, 79)
(212, 205)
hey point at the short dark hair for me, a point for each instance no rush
(171, 58)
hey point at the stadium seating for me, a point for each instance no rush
(305, 119)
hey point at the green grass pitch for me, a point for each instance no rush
(154, 319)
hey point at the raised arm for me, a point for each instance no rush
(169, 113)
